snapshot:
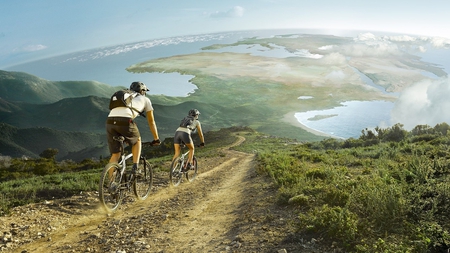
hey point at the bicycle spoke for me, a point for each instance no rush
(175, 173)
(192, 174)
(110, 194)
(143, 182)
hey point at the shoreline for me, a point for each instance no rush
(291, 119)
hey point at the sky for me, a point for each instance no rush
(36, 29)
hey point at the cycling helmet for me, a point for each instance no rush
(138, 87)
(194, 112)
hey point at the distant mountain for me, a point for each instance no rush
(23, 87)
(36, 114)
(31, 142)
(82, 114)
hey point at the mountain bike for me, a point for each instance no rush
(178, 168)
(115, 181)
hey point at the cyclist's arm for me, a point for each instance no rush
(152, 125)
(200, 132)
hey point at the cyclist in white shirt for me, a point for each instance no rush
(121, 122)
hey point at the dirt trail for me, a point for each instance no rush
(228, 208)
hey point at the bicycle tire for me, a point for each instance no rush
(143, 180)
(192, 174)
(175, 174)
(110, 192)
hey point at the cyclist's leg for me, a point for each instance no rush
(177, 141)
(190, 145)
(133, 138)
(136, 150)
(113, 145)
(177, 149)
(191, 152)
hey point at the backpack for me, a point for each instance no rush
(123, 98)
(187, 121)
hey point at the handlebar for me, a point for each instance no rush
(152, 143)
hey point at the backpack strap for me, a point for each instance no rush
(134, 109)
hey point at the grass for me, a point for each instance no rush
(361, 195)
(391, 196)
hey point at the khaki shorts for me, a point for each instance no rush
(118, 126)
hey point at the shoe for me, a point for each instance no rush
(186, 167)
(134, 169)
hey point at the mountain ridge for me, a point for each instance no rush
(76, 111)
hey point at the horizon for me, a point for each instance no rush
(34, 30)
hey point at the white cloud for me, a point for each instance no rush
(334, 59)
(401, 38)
(30, 48)
(335, 76)
(440, 42)
(425, 103)
(236, 11)
(369, 45)
(327, 47)
(365, 37)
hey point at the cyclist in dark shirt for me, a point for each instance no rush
(183, 135)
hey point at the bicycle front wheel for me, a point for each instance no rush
(175, 174)
(109, 191)
(143, 180)
(192, 173)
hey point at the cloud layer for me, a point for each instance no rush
(236, 11)
(424, 103)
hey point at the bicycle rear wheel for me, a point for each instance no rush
(143, 181)
(175, 173)
(192, 174)
(110, 193)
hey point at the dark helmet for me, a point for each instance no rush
(194, 112)
(138, 87)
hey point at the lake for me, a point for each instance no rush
(108, 65)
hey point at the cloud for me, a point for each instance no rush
(424, 103)
(30, 48)
(335, 76)
(334, 59)
(236, 11)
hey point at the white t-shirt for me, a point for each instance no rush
(140, 103)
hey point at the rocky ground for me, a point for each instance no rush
(228, 208)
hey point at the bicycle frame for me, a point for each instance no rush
(183, 157)
(113, 189)
(178, 170)
(123, 163)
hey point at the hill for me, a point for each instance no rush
(23, 87)
(31, 142)
(76, 111)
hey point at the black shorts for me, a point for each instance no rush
(182, 137)
(118, 126)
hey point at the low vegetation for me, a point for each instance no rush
(387, 191)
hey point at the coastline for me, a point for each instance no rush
(291, 119)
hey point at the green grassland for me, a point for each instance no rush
(260, 92)
(387, 191)
(259, 103)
